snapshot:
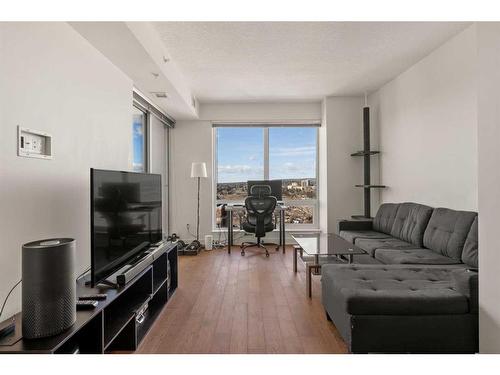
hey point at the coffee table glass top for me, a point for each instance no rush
(325, 244)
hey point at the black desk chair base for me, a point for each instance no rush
(277, 247)
(253, 244)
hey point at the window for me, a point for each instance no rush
(240, 157)
(259, 153)
(139, 145)
(292, 158)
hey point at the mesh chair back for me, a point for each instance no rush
(260, 190)
(260, 211)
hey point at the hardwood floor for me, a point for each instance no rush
(234, 304)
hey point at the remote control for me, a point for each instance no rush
(95, 297)
(86, 305)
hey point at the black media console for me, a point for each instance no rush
(118, 323)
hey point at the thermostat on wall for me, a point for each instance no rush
(33, 143)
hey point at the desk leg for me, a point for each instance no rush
(282, 229)
(277, 219)
(295, 251)
(309, 270)
(229, 232)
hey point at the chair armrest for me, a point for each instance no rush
(466, 282)
(355, 225)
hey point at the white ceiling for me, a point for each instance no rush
(279, 61)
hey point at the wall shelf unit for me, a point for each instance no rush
(363, 153)
(366, 154)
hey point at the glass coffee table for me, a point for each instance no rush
(322, 248)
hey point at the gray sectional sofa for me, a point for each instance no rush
(416, 289)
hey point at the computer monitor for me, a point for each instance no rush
(276, 187)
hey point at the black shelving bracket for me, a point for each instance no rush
(363, 153)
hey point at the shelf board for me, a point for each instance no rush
(116, 328)
(371, 186)
(361, 217)
(158, 286)
(362, 153)
(115, 323)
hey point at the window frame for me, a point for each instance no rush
(265, 128)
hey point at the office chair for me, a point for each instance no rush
(260, 207)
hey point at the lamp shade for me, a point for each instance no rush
(198, 169)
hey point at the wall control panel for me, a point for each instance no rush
(33, 143)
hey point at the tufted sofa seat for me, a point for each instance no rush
(400, 309)
(367, 289)
(421, 296)
(413, 256)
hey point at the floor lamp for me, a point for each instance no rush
(198, 170)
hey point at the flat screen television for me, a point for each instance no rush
(126, 218)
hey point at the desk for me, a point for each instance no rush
(236, 207)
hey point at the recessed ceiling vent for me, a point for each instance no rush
(160, 94)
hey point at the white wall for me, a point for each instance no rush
(343, 122)
(191, 140)
(53, 80)
(323, 170)
(428, 128)
(488, 36)
(291, 111)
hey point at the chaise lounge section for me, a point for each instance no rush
(422, 296)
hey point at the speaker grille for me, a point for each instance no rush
(47, 318)
(49, 287)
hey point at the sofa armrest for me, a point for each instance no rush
(466, 282)
(355, 225)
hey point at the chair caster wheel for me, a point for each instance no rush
(242, 253)
(267, 254)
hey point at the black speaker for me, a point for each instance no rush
(49, 287)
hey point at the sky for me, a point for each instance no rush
(240, 153)
(138, 143)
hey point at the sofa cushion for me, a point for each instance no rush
(410, 222)
(394, 290)
(370, 245)
(352, 235)
(384, 219)
(447, 231)
(412, 256)
(469, 254)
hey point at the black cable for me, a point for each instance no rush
(189, 231)
(8, 295)
(83, 273)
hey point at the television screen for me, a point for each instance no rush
(126, 217)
